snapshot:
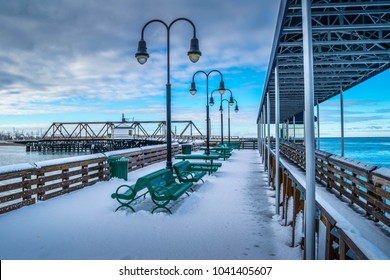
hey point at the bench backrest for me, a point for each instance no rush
(182, 166)
(158, 178)
(139, 185)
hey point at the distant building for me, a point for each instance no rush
(122, 131)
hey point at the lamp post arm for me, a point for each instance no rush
(211, 94)
(187, 20)
(168, 27)
(151, 21)
(200, 71)
(217, 72)
(231, 93)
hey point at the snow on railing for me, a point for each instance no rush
(25, 184)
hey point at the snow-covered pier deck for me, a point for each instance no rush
(230, 216)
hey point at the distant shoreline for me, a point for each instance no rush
(6, 143)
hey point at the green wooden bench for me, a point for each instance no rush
(206, 166)
(234, 145)
(186, 173)
(163, 188)
(222, 154)
(132, 193)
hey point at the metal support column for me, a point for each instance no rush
(287, 125)
(342, 121)
(277, 140)
(294, 128)
(265, 134)
(318, 127)
(259, 134)
(269, 139)
(310, 206)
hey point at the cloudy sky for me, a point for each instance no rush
(73, 60)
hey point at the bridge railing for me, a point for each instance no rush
(365, 188)
(25, 184)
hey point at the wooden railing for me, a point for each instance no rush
(25, 184)
(364, 186)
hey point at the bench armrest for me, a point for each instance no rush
(127, 195)
(187, 174)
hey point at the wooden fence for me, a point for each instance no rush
(25, 184)
(365, 187)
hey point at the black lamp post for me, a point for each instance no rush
(193, 54)
(221, 91)
(231, 102)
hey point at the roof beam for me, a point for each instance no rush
(338, 62)
(343, 5)
(339, 42)
(339, 28)
(338, 53)
(298, 13)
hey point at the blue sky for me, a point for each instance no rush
(73, 60)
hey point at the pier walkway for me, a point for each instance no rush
(230, 216)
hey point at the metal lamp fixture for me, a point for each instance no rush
(211, 101)
(193, 54)
(231, 101)
(221, 87)
(193, 88)
(221, 90)
(142, 54)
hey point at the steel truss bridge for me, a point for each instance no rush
(147, 130)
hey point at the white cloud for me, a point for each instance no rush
(76, 56)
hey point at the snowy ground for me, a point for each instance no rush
(230, 216)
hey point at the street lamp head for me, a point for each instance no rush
(231, 101)
(142, 54)
(221, 88)
(194, 52)
(236, 109)
(193, 88)
(211, 101)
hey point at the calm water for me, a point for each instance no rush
(17, 154)
(371, 150)
(375, 151)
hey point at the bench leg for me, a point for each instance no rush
(125, 206)
(161, 204)
(162, 207)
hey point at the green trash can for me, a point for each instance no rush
(186, 149)
(118, 167)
